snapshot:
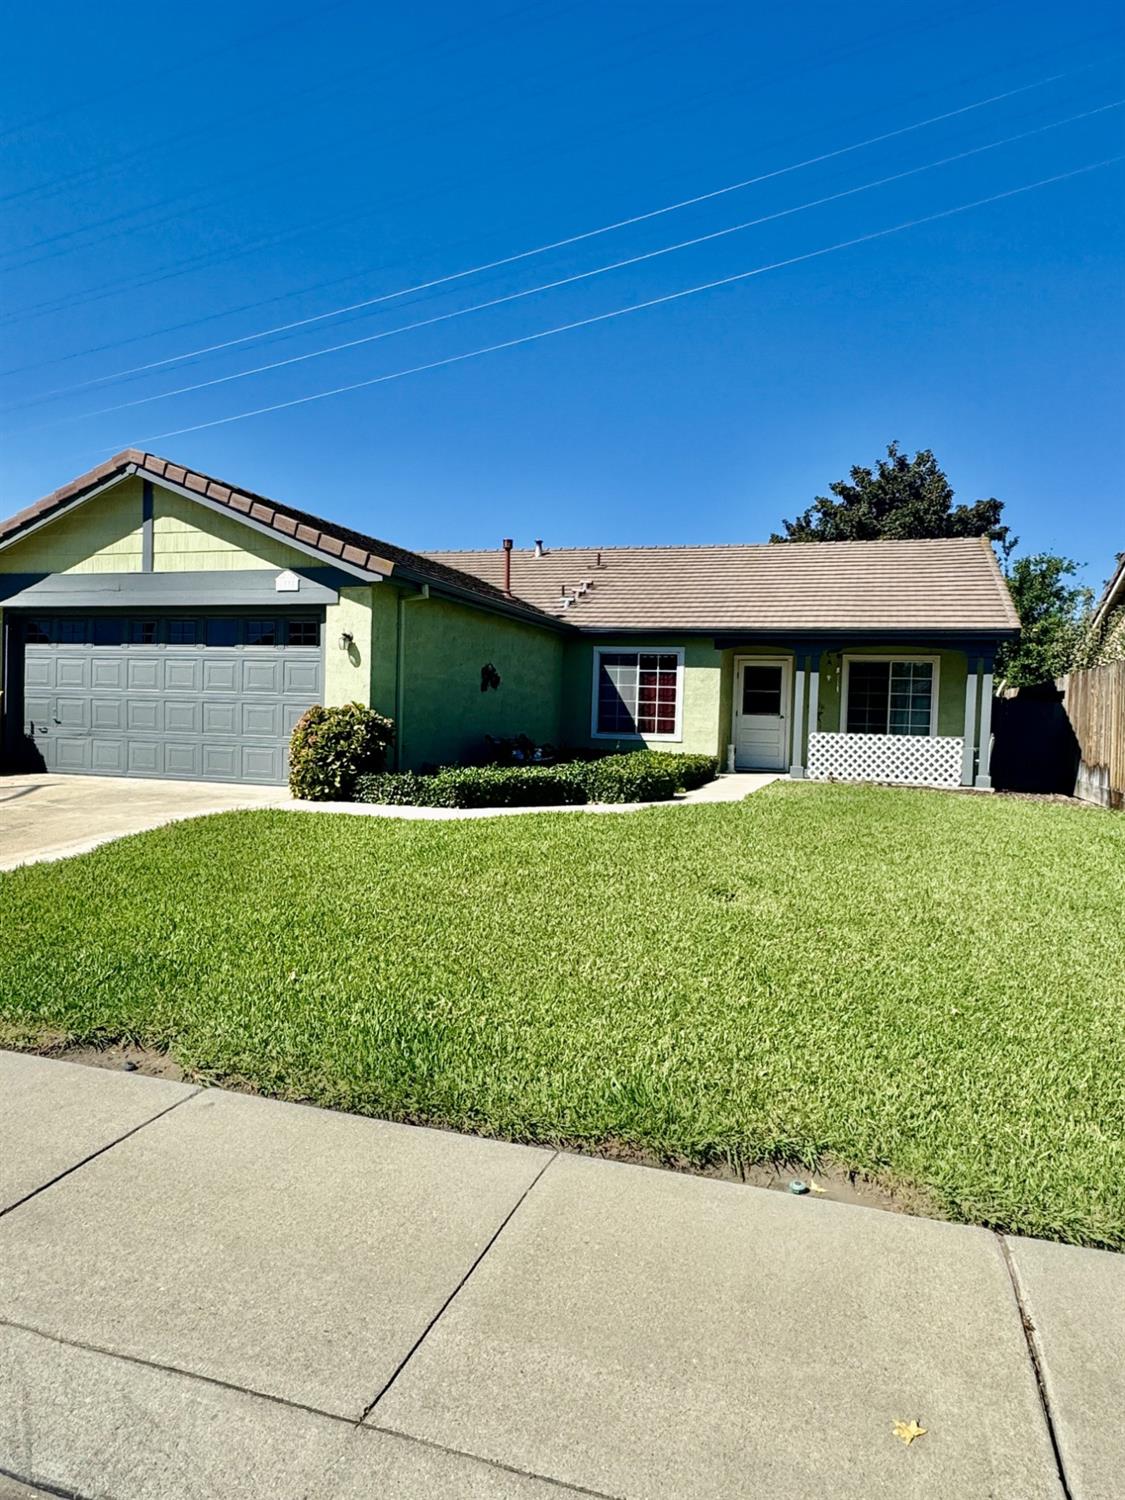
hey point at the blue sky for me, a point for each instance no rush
(178, 177)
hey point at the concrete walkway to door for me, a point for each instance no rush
(48, 817)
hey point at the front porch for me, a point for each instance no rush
(916, 712)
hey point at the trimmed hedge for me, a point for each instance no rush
(331, 747)
(639, 776)
(473, 786)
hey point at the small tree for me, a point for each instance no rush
(1053, 615)
(905, 498)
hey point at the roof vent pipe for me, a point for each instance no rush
(539, 546)
(507, 546)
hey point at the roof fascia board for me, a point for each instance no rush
(366, 574)
(1114, 594)
(67, 506)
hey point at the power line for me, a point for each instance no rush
(620, 312)
(199, 262)
(230, 312)
(559, 244)
(578, 276)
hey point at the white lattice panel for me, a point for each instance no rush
(928, 760)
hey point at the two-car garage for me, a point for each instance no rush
(184, 694)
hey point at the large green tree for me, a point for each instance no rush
(1053, 615)
(902, 498)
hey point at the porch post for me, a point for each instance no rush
(814, 690)
(797, 754)
(983, 778)
(967, 760)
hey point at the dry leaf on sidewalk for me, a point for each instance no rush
(908, 1431)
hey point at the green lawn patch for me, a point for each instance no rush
(925, 987)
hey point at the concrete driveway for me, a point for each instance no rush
(45, 817)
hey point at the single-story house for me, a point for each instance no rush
(158, 622)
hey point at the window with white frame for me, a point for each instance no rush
(637, 693)
(890, 694)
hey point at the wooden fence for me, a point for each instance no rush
(1094, 701)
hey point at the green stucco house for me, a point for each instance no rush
(160, 623)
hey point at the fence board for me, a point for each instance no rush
(1095, 705)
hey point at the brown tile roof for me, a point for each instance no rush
(337, 543)
(895, 585)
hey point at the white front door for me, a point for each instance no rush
(761, 713)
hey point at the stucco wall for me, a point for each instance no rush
(348, 674)
(101, 536)
(445, 716)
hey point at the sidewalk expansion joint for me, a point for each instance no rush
(1030, 1338)
(357, 1428)
(418, 1342)
(93, 1156)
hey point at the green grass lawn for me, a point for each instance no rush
(929, 988)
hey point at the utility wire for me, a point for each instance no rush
(549, 286)
(565, 242)
(351, 217)
(621, 312)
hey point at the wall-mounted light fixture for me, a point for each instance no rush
(346, 641)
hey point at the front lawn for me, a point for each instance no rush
(930, 988)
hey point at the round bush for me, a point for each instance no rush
(332, 747)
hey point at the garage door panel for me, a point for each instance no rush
(221, 761)
(72, 713)
(261, 676)
(144, 715)
(261, 719)
(301, 677)
(107, 672)
(108, 756)
(183, 674)
(142, 673)
(183, 716)
(145, 758)
(107, 713)
(68, 753)
(119, 696)
(220, 676)
(262, 763)
(72, 671)
(220, 718)
(182, 758)
(39, 672)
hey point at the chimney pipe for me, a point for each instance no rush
(507, 546)
(539, 546)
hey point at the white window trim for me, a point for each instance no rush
(903, 656)
(599, 651)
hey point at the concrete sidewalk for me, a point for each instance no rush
(207, 1295)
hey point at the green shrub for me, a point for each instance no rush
(638, 777)
(473, 786)
(693, 770)
(331, 747)
(393, 789)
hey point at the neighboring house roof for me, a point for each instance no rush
(336, 544)
(1114, 594)
(953, 585)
